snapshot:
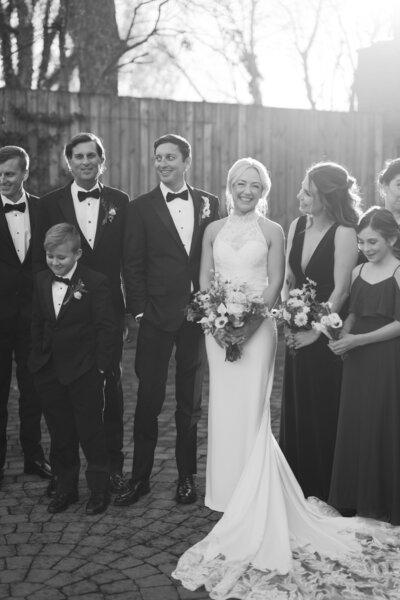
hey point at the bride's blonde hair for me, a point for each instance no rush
(235, 173)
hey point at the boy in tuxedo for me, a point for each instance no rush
(73, 337)
(18, 211)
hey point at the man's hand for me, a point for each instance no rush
(130, 327)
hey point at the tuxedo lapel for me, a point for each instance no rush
(66, 205)
(48, 294)
(161, 209)
(196, 225)
(104, 207)
(5, 232)
(32, 219)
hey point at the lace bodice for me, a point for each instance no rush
(240, 251)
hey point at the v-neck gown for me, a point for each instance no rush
(312, 379)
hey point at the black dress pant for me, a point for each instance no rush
(154, 349)
(15, 343)
(74, 414)
(114, 407)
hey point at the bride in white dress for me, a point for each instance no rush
(271, 542)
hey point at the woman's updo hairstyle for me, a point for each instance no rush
(389, 172)
(235, 173)
(338, 192)
(380, 220)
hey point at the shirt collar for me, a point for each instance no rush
(6, 200)
(165, 189)
(71, 272)
(75, 188)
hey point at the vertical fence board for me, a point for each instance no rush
(286, 141)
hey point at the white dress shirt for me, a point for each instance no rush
(87, 212)
(182, 213)
(19, 226)
(59, 289)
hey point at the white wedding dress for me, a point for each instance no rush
(271, 543)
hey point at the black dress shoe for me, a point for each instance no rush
(186, 491)
(98, 503)
(134, 490)
(61, 501)
(118, 485)
(51, 490)
(38, 467)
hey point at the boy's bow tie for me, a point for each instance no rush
(62, 279)
(85, 195)
(184, 195)
(10, 207)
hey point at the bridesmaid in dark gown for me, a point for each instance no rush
(322, 246)
(366, 468)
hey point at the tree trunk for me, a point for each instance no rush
(93, 28)
(25, 42)
(6, 33)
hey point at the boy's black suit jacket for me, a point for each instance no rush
(83, 333)
(158, 272)
(106, 254)
(16, 278)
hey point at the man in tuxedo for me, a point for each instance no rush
(99, 214)
(73, 336)
(161, 269)
(17, 228)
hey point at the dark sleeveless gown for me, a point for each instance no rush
(312, 380)
(366, 470)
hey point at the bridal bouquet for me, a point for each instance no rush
(299, 310)
(328, 322)
(224, 308)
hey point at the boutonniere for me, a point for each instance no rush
(110, 212)
(205, 211)
(75, 291)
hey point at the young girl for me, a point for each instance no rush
(366, 469)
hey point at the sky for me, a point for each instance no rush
(333, 56)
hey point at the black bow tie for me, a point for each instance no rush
(10, 207)
(184, 195)
(85, 195)
(62, 279)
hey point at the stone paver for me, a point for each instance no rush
(123, 554)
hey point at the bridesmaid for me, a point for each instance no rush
(322, 246)
(389, 187)
(366, 470)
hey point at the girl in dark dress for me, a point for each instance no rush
(322, 246)
(366, 470)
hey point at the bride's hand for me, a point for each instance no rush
(224, 337)
(219, 336)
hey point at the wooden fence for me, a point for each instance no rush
(287, 141)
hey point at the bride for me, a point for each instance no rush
(270, 542)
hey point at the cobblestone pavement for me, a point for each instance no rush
(124, 554)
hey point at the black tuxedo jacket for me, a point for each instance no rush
(16, 278)
(106, 254)
(157, 269)
(84, 332)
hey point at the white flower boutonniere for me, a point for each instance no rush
(110, 211)
(75, 291)
(205, 211)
